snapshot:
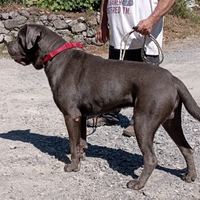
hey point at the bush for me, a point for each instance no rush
(69, 5)
(7, 2)
(179, 8)
(58, 5)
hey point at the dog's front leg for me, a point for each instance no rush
(74, 130)
(83, 142)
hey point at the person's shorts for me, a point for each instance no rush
(132, 55)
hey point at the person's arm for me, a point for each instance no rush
(146, 25)
(102, 34)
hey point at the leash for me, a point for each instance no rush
(94, 125)
(160, 53)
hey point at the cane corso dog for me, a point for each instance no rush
(84, 85)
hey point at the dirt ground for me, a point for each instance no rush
(34, 145)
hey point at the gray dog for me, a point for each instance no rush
(83, 85)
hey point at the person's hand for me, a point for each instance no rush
(144, 27)
(102, 34)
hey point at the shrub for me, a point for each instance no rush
(58, 5)
(7, 2)
(180, 10)
(69, 5)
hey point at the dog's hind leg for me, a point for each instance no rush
(145, 128)
(74, 131)
(174, 129)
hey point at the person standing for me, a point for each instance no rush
(117, 18)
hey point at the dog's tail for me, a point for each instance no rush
(187, 99)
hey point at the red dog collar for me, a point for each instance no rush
(57, 51)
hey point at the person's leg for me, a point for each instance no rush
(152, 58)
(135, 55)
(131, 55)
(108, 119)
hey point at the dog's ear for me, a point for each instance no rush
(32, 35)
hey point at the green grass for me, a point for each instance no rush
(180, 9)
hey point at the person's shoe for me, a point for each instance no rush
(129, 131)
(99, 121)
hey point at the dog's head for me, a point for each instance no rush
(25, 48)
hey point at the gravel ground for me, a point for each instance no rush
(34, 142)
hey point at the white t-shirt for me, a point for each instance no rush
(124, 14)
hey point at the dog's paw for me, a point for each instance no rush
(135, 185)
(73, 167)
(189, 178)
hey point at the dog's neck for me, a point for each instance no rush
(52, 54)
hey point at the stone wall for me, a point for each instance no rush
(80, 30)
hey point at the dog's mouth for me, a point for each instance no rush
(23, 62)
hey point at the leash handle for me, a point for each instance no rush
(122, 54)
(135, 28)
(160, 53)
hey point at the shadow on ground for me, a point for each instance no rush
(119, 160)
